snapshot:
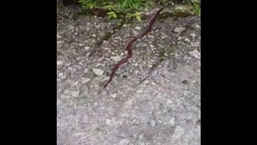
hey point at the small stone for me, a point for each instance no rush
(141, 136)
(169, 102)
(124, 142)
(87, 48)
(70, 27)
(59, 102)
(58, 36)
(105, 42)
(98, 71)
(93, 41)
(93, 35)
(152, 123)
(135, 32)
(138, 28)
(146, 81)
(150, 36)
(64, 96)
(197, 26)
(135, 136)
(187, 39)
(80, 44)
(172, 122)
(179, 29)
(193, 35)
(160, 45)
(107, 48)
(151, 46)
(97, 26)
(75, 93)
(116, 58)
(85, 80)
(102, 108)
(116, 38)
(178, 132)
(59, 62)
(66, 91)
(95, 104)
(108, 121)
(195, 54)
(128, 104)
(61, 76)
(113, 95)
(164, 36)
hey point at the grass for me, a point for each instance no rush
(133, 9)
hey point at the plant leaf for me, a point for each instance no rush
(138, 17)
(109, 7)
(112, 15)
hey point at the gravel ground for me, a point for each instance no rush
(153, 100)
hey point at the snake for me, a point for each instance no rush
(129, 47)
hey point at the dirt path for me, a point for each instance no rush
(154, 99)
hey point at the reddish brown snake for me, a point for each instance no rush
(128, 48)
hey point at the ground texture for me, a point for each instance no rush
(154, 99)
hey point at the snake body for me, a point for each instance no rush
(129, 49)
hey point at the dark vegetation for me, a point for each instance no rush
(131, 9)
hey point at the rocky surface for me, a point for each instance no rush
(153, 100)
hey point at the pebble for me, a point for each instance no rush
(85, 80)
(138, 28)
(75, 93)
(87, 48)
(193, 35)
(187, 39)
(97, 26)
(195, 53)
(59, 62)
(98, 71)
(172, 122)
(135, 32)
(116, 58)
(164, 36)
(66, 91)
(178, 132)
(152, 123)
(108, 121)
(58, 36)
(59, 102)
(179, 29)
(61, 76)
